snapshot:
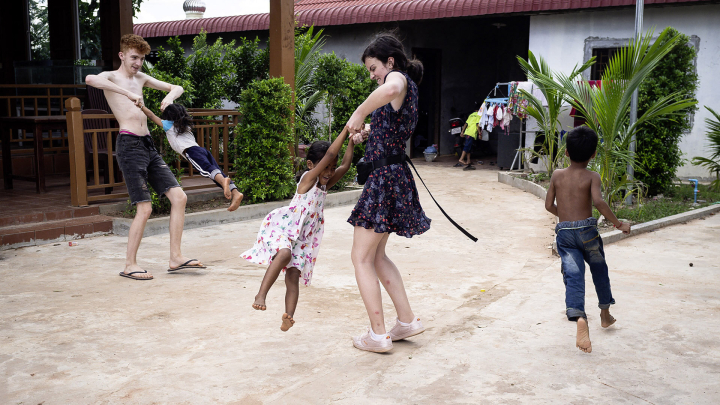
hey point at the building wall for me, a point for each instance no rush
(561, 39)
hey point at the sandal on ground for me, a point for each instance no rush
(187, 265)
(458, 164)
(130, 275)
(469, 167)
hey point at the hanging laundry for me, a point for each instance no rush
(507, 117)
(517, 103)
(490, 120)
(483, 116)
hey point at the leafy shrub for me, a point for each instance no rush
(172, 61)
(331, 77)
(208, 69)
(358, 88)
(249, 63)
(658, 140)
(263, 166)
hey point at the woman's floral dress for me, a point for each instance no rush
(298, 227)
(389, 202)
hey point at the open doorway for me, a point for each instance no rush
(427, 131)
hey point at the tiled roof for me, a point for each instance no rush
(334, 12)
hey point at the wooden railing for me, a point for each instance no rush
(213, 131)
(46, 99)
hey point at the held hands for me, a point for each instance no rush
(624, 227)
(166, 102)
(136, 99)
(361, 136)
(356, 123)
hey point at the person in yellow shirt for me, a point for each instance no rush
(470, 131)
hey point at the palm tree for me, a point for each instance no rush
(606, 109)
(713, 162)
(552, 150)
(307, 54)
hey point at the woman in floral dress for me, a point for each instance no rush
(389, 202)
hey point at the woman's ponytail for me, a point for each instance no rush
(415, 70)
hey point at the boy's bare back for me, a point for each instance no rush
(573, 188)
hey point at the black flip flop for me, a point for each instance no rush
(469, 167)
(186, 265)
(130, 275)
(458, 164)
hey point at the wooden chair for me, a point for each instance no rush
(96, 100)
(102, 147)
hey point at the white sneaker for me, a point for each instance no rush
(366, 342)
(399, 332)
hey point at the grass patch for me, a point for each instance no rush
(677, 200)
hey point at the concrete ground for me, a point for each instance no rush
(73, 332)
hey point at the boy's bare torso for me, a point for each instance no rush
(573, 193)
(129, 116)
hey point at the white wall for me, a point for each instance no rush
(560, 39)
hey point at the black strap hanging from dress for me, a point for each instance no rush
(474, 239)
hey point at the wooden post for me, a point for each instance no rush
(115, 21)
(282, 47)
(76, 144)
(282, 40)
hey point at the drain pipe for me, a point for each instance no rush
(696, 190)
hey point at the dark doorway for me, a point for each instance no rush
(427, 131)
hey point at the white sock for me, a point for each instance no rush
(377, 338)
(403, 323)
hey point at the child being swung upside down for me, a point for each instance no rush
(289, 237)
(178, 126)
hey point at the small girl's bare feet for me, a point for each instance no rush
(226, 187)
(287, 322)
(583, 336)
(605, 318)
(236, 200)
(259, 303)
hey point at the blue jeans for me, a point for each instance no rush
(579, 242)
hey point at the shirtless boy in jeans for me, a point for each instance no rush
(137, 156)
(576, 190)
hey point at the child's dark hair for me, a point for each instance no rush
(387, 45)
(314, 154)
(581, 143)
(178, 114)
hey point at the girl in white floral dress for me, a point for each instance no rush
(289, 237)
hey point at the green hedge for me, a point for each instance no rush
(263, 165)
(658, 141)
